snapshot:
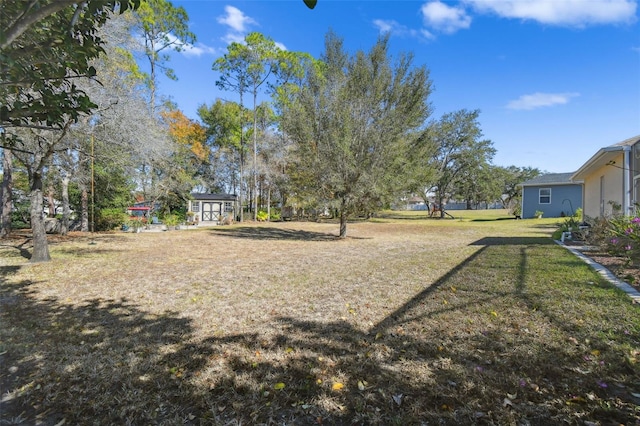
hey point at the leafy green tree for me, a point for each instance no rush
(479, 185)
(421, 171)
(351, 124)
(459, 149)
(163, 27)
(45, 46)
(511, 177)
(246, 68)
(225, 131)
(45, 51)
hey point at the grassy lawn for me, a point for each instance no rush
(473, 320)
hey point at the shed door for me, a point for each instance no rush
(210, 212)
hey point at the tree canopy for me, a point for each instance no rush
(45, 47)
(350, 125)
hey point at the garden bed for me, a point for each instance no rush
(618, 266)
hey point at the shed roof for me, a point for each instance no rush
(603, 156)
(213, 197)
(551, 179)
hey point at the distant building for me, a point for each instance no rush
(554, 194)
(210, 209)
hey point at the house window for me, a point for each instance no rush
(228, 206)
(545, 196)
(195, 206)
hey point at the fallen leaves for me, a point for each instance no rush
(337, 386)
(397, 398)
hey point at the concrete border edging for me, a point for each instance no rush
(605, 273)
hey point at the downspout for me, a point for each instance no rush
(626, 182)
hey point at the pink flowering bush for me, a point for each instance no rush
(623, 238)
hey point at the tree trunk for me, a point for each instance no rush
(6, 193)
(84, 205)
(269, 204)
(343, 220)
(440, 199)
(240, 193)
(40, 245)
(255, 156)
(51, 200)
(343, 224)
(66, 212)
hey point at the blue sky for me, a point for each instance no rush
(555, 80)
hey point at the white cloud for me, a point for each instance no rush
(400, 30)
(238, 24)
(233, 37)
(385, 26)
(186, 49)
(236, 19)
(540, 100)
(578, 13)
(444, 18)
(198, 49)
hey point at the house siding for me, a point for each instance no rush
(565, 199)
(611, 175)
(594, 206)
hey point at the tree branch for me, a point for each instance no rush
(22, 24)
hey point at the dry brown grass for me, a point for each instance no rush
(407, 321)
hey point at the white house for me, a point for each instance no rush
(611, 179)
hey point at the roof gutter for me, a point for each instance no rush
(596, 157)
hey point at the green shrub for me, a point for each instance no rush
(578, 214)
(171, 219)
(262, 216)
(110, 219)
(133, 224)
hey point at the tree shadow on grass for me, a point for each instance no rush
(493, 219)
(264, 233)
(79, 252)
(402, 217)
(22, 244)
(12, 248)
(104, 361)
(450, 355)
